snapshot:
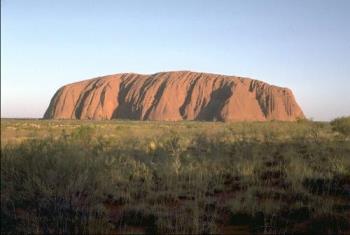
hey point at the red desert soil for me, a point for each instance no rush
(174, 96)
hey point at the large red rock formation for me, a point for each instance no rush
(174, 96)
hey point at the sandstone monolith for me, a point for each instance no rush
(174, 96)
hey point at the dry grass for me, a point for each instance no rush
(88, 177)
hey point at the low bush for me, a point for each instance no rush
(341, 125)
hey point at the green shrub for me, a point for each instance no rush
(341, 125)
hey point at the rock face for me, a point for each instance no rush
(174, 96)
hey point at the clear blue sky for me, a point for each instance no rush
(300, 44)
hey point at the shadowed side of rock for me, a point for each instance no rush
(174, 96)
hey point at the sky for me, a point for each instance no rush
(300, 44)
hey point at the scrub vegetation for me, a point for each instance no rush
(118, 177)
